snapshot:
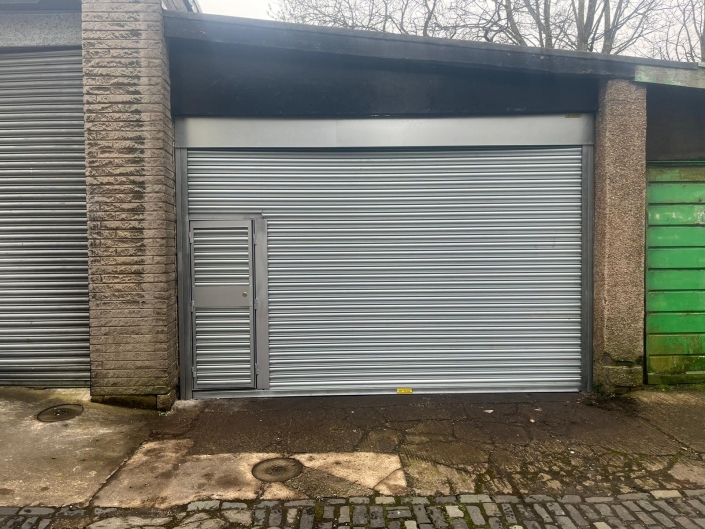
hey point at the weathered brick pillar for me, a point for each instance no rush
(131, 203)
(620, 206)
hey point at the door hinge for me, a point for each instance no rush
(193, 306)
(190, 237)
(256, 369)
(255, 304)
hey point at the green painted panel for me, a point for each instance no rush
(686, 193)
(693, 173)
(675, 344)
(675, 322)
(675, 280)
(676, 258)
(676, 215)
(675, 236)
(675, 302)
(676, 364)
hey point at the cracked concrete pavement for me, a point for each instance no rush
(348, 446)
(62, 463)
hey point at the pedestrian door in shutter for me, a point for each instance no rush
(222, 305)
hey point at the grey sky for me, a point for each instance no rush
(238, 8)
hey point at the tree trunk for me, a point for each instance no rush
(702, 34)
(580, 38)
(609, 40)
(513, 24)
(429, 16)
(586, 25)
(547, 23)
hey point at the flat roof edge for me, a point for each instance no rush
(372, 45)
(671, 76)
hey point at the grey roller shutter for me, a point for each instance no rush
(437, 270)
(43, 241)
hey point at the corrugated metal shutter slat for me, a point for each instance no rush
(437, 269)
(43, 238)
(223, 348)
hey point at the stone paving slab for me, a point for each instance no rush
(657, 509)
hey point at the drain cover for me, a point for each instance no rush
(277, 469)
(62, 412)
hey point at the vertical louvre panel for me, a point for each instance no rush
(439, 270)
(223, 338)
(43, 241)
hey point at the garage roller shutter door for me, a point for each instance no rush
(438, 270)
(43, 241)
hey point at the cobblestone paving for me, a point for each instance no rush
(669, 509)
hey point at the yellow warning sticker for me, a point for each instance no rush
(405, 390)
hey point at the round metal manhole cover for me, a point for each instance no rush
(277, 469)
(62, 412)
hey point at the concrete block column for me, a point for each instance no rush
(131, 203)
(620, 209)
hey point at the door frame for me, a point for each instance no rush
(260, 321)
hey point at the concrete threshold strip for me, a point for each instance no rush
(671, 509)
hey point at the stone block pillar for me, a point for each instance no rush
(620, 209)
(131, 203)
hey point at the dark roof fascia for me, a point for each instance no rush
(369, 44)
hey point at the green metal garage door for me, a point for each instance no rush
(675, 279)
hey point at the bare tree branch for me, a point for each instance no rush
(670, 29)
